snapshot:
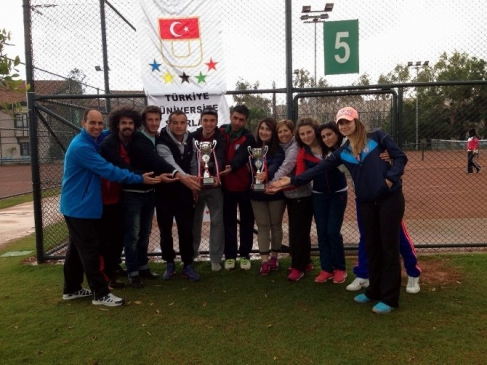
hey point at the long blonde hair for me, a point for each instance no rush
(358, 140)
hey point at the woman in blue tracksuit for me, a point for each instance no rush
(329, 197)
(378, 188)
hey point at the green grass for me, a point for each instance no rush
(239, 317)
(15, 200)
(10, 202)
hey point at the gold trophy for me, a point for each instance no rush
(257, 160)
(204, 152)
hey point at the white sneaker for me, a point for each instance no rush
(215, 266)
(229, 264)
(245, 263)
(413, 285)
(357, 284)
(109, 300)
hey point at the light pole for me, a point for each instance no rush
(314, 19)
(417, 65)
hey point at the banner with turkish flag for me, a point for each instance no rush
(181, 56)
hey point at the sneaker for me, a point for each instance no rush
(323, 276)
(357, 284)
(229, 264)
(78, 294)
(148, 274)
(413, 285)
(109, 300)
(479, 170)
(382, 308)
(116, 284)
(135, 282)
(362, 298)
(295, 275)
(339, 276)
(274, 262)
(308, 268)
(215, 266)
(245, 263)
(265, 268)
(190, 273)
(170, 271)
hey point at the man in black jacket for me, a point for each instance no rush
(122, 122)
(212, 195)
(139, 200)
(176, 201)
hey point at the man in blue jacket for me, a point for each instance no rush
(81, 205)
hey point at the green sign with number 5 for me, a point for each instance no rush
(341, 47)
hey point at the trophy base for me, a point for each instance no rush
(258, 187)
(208, 181)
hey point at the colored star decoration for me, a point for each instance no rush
(154, 65)
(184, 78)
(211, 65)
(168, 78)
(201, 78)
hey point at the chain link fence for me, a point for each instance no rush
(90, 48)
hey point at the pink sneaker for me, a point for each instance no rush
(323, 277)
(274, 262)
(339, 276)
(265, 268)
(309, 268)
(295, 275)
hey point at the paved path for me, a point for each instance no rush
(16, 222)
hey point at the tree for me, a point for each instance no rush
(444, 112)
(8, 81)
(259, 107)
(76, 80)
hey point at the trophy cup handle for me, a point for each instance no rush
(213, 144)
(249, 149)
(196, 144)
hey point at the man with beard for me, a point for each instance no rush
(122, 122)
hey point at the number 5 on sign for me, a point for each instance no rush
(341, 47)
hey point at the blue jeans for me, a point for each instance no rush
(139, 212)
(328, 210)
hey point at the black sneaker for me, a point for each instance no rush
(148, 274)
(135, 282)
(79, 294)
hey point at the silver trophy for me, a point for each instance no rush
(205, 150)
(257, 158)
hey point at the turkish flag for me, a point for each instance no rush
(180, 28)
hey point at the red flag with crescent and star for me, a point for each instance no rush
(179, 28)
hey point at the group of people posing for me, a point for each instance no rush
(120, 177)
